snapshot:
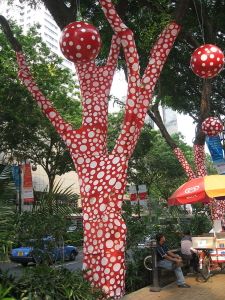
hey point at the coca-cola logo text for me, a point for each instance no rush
(192, 189)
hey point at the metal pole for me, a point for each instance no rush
(138, 202)
(19, 194)
(155, 287)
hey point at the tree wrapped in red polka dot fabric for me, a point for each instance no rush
(212, 126)
(102, 175)
(207, 61)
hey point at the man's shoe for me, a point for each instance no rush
(185, 286)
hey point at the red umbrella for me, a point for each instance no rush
(190, 192)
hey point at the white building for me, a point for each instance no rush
(169, 117)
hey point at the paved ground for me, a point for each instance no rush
(213, 289)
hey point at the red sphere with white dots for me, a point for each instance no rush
(207, 61)
(80, 42)
(212, 126)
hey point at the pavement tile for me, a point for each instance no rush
(213, 289)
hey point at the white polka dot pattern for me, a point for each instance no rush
(80, 42)
(218, 209)
(184, 163)
(212, 126)
(199, 154)
(140, 90)
(207, 61)
(102, 176)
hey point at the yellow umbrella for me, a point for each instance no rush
(200, 189)
(215, 185)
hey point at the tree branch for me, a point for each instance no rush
(9, 35)
(200, 9)
(62, 14)
(156, 117)
(193, 117)
(204, 111)
(181, 9)
(190, 39)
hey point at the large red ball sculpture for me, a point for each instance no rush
(212, 126)
(207, 61)
(80, 42)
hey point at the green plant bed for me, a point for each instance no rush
(5, 248)
(45, 283)
(137, 276)
(74, 238)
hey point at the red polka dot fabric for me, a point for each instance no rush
(199, 155)
(207, 61)
(184, 163)
(212, 126)
(102, 175)
(218, 209)
(80, 42)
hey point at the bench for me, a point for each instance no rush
(165, 276)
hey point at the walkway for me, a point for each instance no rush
(213, 289)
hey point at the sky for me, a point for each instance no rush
(119, 90)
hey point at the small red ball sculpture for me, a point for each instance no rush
(80, 42)
(212, 126)
(207, 61)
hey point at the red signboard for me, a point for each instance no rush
(27, 186)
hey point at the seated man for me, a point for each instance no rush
(189, 254)
(168, 260)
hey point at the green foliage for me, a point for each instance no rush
(45, 283)
(114, 127)
(75, 238)
(137, 276)
(7, 187)
(25, 132)
(7, 210)
(5, 292)
(49, 217)
(154, 164)
(200, 222)
(182, 91)
(145, 18)
(136, 230)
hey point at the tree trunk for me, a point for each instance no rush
(200, 136)
(62, 14)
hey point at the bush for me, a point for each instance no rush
(75, 238)
(200, 224)
(5, 248)
(137, 276)
(45, 283)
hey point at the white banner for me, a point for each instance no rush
(132, 190)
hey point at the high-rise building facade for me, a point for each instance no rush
(169, 117)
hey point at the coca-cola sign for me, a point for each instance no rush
(192, 189)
